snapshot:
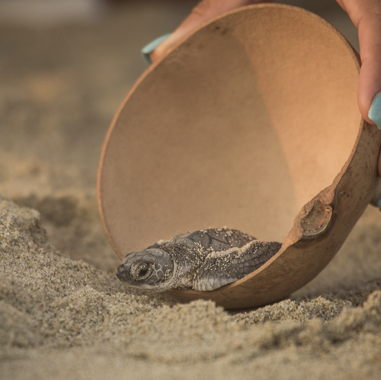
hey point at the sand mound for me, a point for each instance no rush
(52, 305)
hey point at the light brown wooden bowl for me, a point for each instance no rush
(252, 123)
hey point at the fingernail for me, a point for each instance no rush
(379, 204)
(149, 48)
(374, 113)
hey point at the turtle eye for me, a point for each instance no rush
(142, 271)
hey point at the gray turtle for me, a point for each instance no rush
(202, 260)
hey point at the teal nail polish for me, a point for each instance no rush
(149, 48)
(379, 204)
(374, 113)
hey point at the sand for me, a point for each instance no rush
(63, 313)
(61, 317)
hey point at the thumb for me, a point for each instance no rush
(370, 73)
(203, 12)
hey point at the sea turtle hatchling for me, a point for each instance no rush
(202, 260)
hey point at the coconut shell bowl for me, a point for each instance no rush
(251, 122)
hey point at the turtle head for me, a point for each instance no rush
(152, 268)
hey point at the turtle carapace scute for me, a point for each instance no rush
(202, 260)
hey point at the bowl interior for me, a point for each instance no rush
(241, 125)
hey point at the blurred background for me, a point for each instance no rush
(65, 67)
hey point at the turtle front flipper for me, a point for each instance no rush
(224, 267)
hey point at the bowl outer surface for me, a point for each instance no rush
(250, 118)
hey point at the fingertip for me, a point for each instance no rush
(369, 29)
(154, 56)
(374, 113)
(364, 107)
(150, 48)
(369, 94)
(164, 46)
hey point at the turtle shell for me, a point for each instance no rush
(250, 122)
